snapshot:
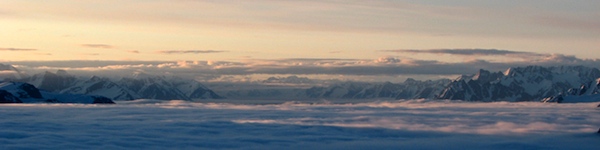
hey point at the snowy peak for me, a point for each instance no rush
(487, 76)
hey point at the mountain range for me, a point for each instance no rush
(531, 83)
(138, 86)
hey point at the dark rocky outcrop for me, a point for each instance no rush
(101, 100)
(7, 97)
(30, 91)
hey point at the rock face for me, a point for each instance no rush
(531, 83)
(18, 92)
(127, 88)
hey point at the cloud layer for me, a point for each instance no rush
(416, 124)
(384, 66)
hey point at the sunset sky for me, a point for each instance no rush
(277, 34)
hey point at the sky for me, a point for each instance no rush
(267, 34)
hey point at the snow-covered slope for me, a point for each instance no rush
(18, 92)
(531, 83)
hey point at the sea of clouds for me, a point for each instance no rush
(404, 124)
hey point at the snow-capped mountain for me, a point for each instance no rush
(18, 92)
(127, 88)
(531, 83)
(410, 89)
(101, 86)
(160, 87)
